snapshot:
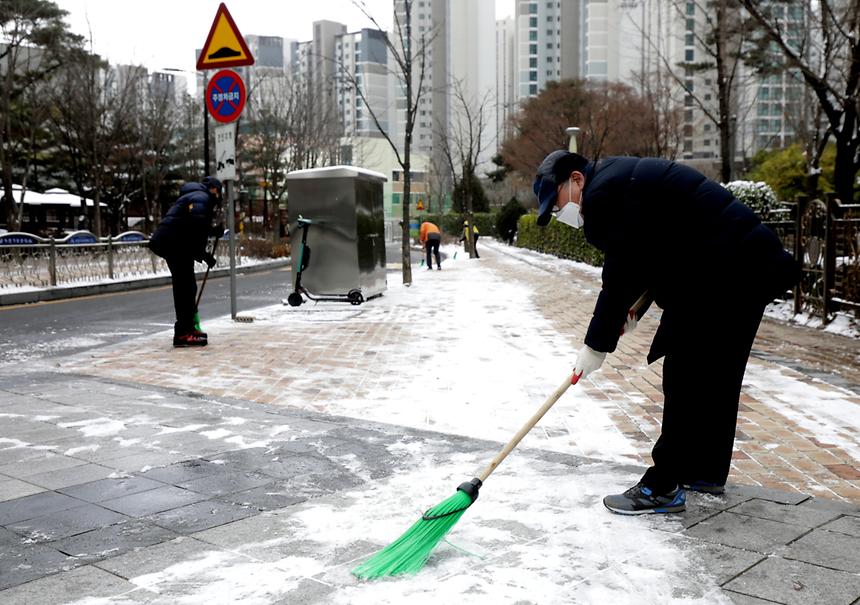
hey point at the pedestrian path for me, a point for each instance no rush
(472, 349)
(119, 493)
(262, 468)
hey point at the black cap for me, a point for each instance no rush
(210, 181)
(554, 170)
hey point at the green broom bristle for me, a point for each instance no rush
(410, 552)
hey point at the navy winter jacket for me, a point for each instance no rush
(667, 229)
(185, 228)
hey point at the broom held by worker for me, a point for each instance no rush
(709, 263)
(180, 239)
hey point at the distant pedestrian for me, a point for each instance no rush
(430, 237)
(475, 235)
(709, 263)
(180, 239)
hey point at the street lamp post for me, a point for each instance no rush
(571, 131)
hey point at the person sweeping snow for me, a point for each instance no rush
(180, 239)
(709, 263)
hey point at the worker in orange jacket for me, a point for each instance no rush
(430, 237)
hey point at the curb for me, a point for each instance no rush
(64, 292)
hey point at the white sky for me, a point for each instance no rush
(165, 33)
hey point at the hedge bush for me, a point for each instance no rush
(557, 239)
(758, 196)
(452, 223)
(263, 247)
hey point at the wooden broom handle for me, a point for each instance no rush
(528, 426)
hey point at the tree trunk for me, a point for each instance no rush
(276, 220)
(724, 94)
(844, 169)
(407, 144)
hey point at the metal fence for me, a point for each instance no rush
(825, 236)
(27, 260)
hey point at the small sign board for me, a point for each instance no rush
(18, 239)
(225, 152)
(80, 237)
(225, 96)
(130, 236)
(225, 46)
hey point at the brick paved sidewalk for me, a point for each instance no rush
(359, 361)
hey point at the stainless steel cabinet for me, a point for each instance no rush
(347, 234)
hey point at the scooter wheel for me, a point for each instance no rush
(295, 299)
(354, 297)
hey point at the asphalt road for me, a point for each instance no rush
(63, 327)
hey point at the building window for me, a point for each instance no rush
(549, 17)
(688, 55)
(532, 89)
(532, 76)
(549, 59)
(532, 49)
(549, 72)
(533, 36)
(691, 24)
(532, 21)
(691, 8)
(533, 62)
(707, 142)
(549, 45)
(549, 32)
(688, 39)
(533, 8)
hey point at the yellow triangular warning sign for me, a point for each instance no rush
(225, 46)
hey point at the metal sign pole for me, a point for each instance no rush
(231, 225)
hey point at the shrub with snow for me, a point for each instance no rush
(757, 195)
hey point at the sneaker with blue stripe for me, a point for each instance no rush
(641, 500)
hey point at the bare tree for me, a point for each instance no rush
(92, 123)
(827, 54)
(615, 120)
(406, 63)
(33, 41)
(720, 46)
(664, 125)
(153, 149)
(270, 137)
(464, 143)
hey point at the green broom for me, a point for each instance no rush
(200, 292)
(408, 553)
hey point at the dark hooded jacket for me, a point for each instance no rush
(185, 228)
(668, 230)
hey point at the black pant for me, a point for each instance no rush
(184, 292)
(475, 240)
(703, 370)
(432, 243)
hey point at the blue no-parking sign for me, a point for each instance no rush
(225, 96)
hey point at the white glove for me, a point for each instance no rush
(587, 361)
(630, 322)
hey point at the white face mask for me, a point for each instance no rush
(571, 213)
